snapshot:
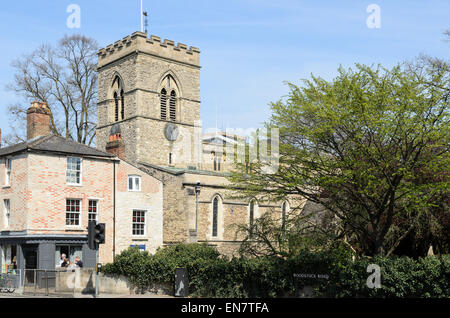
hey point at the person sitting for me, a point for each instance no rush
(61, 260)
(65, 263)
(78, 262)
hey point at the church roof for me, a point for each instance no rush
(56, 144)
(180, 171)
(217, 138)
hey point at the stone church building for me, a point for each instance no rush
(155, 179)
(149, 115)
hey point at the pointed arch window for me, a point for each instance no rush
(173, 106)
(163, 104)
(215, 216)
(119, 99)
(170, 92)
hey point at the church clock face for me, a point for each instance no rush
(171, 132)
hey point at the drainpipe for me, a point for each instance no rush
(114, 210)
(197, 193)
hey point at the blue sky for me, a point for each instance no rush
(249, 47)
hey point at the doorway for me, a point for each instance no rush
(30, 256)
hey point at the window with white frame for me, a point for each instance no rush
(73, 212)
(73, 172)
(8, 172)
(7, 212)
(134, 183)
(138, 223)
(93, 210)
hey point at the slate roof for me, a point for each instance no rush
(179, 171)
(55, 144)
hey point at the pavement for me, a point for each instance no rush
(17, 295)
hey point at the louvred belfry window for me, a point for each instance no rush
(163, 104)
(119, 99)
(122, 102)
(173, 106)
(116, 110)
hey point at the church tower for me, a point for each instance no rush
(148, 100)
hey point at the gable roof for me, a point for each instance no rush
(179, 171)
(217, 139)
(55, 144)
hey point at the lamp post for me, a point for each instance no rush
(197, 193)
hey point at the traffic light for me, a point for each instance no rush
(96, 234)
(99, 233)
(91, 235)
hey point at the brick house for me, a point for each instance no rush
(51, 187)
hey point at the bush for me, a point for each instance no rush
(211, 275)
(144, 270)
(400, 277)
(132, 264)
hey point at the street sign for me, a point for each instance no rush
(181, 282)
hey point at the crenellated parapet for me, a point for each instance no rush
(138, 42)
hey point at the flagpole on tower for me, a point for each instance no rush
(142, 17)
(146, 22)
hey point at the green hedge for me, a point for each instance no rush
(211, 275)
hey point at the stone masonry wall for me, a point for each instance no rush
(142, 71)
(149, 199)
(231, 211)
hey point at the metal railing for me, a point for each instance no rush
(57, 282)
(39, 281)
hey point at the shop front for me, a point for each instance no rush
(42, 252)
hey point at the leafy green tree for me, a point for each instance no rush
(286, 236)
(359, 145)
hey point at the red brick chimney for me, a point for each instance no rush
(116, 145)
(38, 120)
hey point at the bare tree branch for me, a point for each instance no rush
(64, 76)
